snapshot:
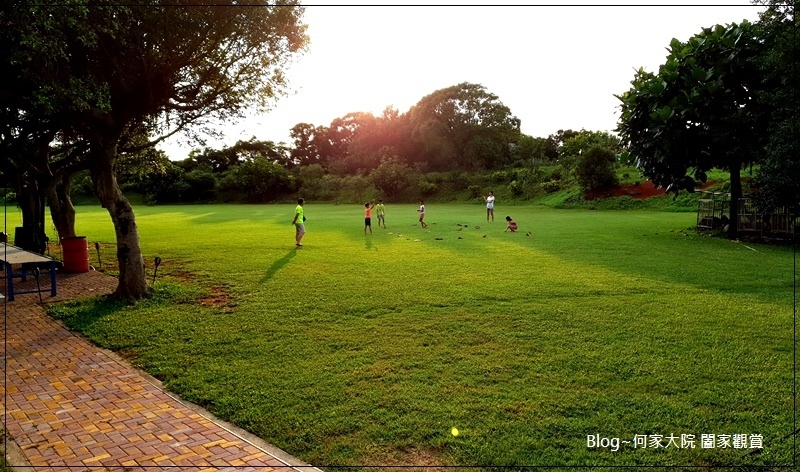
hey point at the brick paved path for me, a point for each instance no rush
(71, 406)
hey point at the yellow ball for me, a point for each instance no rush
(454, 431)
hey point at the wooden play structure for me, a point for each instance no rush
(714, 213)
(779, 223)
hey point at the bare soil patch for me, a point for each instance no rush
(219, 298)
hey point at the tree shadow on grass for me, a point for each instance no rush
(81, 314)
(278, 265)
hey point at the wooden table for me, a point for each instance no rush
(13, 255)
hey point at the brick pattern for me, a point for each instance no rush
(70, 406)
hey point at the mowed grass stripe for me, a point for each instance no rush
(368, 349)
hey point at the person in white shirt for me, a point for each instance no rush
(422, 214)
(489, 206)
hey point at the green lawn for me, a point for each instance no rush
(368, 350)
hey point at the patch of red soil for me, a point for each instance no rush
(641, 191)
(219, 298)
(644, 190)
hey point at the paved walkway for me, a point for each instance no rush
(71, 406)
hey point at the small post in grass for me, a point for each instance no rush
(99, 262)
(157, 262)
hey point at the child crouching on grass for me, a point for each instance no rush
(512, 225)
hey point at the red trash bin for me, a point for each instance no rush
(76, 254)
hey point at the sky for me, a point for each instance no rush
(555, 66)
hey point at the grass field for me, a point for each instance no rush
(369, 350)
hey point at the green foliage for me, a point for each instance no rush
(391, 177)
(315, 184)
(530, 150)
(579, 143)
(776, 183)
(356, 189)
(171, 68)
(702, 110)
(503, 176)
(464, 126)
(551, 186)
(596, 168)
(201, 185)
(257, 180)
(426, 188)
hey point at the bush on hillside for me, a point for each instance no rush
(595, 169)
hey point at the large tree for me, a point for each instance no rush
(116, 68)
(465, 126)
(776, 183)
(30, 121)
(700, 111)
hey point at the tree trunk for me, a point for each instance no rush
(31, 202)
(61, 209)
(736, 194)
(132, 276)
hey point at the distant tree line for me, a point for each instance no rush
(441, 143)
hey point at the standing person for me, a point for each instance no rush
(368, 217)
(299, 218)
(381, 211)
(422, 213)
(489, 206)
(512, 225)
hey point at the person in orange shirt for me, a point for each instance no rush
(368, 216)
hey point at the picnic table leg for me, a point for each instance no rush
(52, 278)
(10, 277)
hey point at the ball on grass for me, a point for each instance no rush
(454, 431)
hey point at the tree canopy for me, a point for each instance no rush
(111, 71)
(467, 125)
(776, 183)
(700, 111)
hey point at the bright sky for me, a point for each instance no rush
(555, 67)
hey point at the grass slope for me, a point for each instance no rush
(368, 350)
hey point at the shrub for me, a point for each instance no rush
(391, 177)
(426, 188)
(257, 181)
(10, 197)
(551, 186)
(502, 176)
(596, 169)
(439, 177)
(516, 188)
(315, 183)
(201, 185)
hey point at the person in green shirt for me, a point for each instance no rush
(381, 212)
(298, 220)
